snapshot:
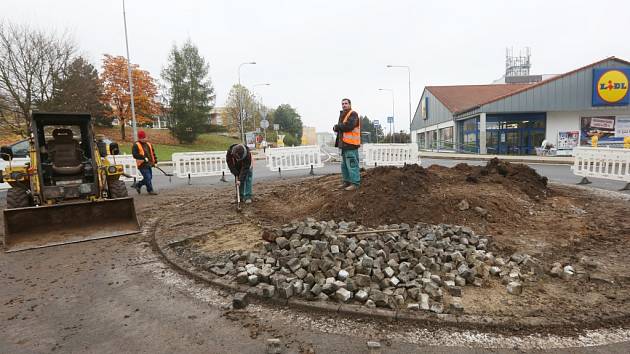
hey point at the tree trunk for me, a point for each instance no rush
(122, 129)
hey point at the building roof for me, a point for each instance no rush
(462, 97)
(544, 82)
(459, 99)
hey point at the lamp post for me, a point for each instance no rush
(133, 108)
(409, 89)
(240, 99)
(253, 90)
(392, 128)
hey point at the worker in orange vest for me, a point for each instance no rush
(144, 154)
(348, 129)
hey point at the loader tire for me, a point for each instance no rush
(117, 189)
(17, 198)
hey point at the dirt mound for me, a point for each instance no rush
(463, 195)
(518, 175)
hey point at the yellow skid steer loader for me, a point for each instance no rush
(68, 191)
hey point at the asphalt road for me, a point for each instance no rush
(117, 296)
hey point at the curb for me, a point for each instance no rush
(548, 161)
(474, 322)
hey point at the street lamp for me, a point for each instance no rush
(240, 98)
(133, 108)
(253, 90)
(392, 127)
(409, 88)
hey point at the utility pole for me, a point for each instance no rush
(393, 125)
(408, 88)
(133, 108)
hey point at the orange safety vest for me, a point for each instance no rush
(141, 151)
(352, 137)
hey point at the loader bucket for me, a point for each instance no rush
(43, 226)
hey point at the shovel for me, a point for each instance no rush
(238, 197)
(169, 175)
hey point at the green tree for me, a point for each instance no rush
(190, 91)
(79, 90)
(367, 126)
(290, 123)
(400, 138)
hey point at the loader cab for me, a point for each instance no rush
(64, 148)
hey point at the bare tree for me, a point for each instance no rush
(31, 62)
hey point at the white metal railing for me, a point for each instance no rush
(390, 154)
(200, 164)
(129, 167)
(294, 158)
(606, 163)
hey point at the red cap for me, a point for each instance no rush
(142, 134)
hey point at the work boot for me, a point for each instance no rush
(344, 185)
(153, 193)
(138, 188)
(352, 187)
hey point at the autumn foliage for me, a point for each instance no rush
(116, 92)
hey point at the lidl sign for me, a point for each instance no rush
(610, 87)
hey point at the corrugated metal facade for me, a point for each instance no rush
(436, 113)
(569, 93)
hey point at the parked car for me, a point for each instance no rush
(20, 158)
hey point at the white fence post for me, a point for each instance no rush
(294, 158)
(390, 154)
(606, 163)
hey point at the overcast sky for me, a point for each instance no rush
(316, 52)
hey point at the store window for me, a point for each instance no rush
(446, 138)
(515, 134)
(468, 135)
(421, 139)
(431, 140)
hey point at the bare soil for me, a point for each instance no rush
(524, 214)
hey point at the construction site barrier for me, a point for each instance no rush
(606, 163)
(129, 167)
(200, 164)
(294, 158)
(390, 154)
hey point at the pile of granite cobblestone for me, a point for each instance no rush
(421, 267)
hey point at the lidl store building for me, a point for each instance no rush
(566, 110)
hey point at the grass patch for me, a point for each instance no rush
(205, 142)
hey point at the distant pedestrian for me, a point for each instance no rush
(144, 154)
(348, 129)
(239, 160)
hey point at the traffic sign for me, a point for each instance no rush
(390, 120)
(264, 124)
(276, 127)
(376, 122)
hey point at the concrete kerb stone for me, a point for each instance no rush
(326, 307)
(359, 310)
